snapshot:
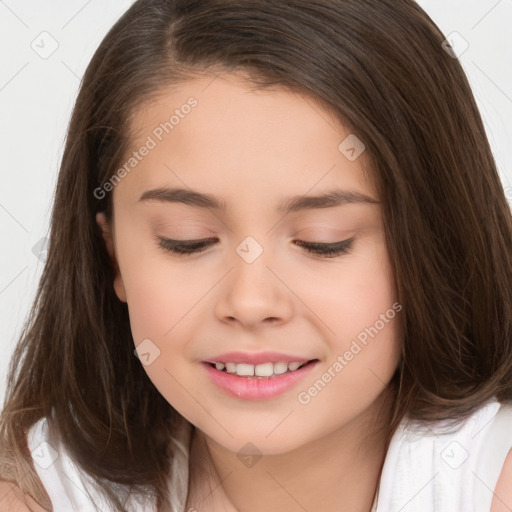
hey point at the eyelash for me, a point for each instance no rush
(189, 247)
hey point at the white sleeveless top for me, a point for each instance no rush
(424, 470)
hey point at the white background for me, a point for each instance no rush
(37, 95)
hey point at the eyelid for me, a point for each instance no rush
(175, 246)
(195, 246)
(327, 249)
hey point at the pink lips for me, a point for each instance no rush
(251, 388)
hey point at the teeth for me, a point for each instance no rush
(280, 368)
(245, 370)
(264, 370)
(259, 370)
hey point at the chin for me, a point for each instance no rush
(252, 441)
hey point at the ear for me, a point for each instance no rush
(109, 242)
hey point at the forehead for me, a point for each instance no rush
(220, 135)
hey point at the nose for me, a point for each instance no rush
(253, 295)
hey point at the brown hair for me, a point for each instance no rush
(379, 66)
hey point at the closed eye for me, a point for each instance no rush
(327, 250)
(189, 247)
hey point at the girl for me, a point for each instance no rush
(279, 274)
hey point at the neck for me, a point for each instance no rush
(339, 471)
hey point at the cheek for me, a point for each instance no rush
(159, 292)
(358, 312)
(351, 295)
(164, 304)
(161, 308)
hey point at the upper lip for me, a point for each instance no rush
(256, 358)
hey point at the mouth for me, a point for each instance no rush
(258, 382)
(260, 371)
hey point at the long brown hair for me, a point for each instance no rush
(379, 66)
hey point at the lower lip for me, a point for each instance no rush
(249, 388)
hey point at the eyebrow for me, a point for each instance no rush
(293, 204)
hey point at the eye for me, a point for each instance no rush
(326, 250)
(188, 247)
(184, 247)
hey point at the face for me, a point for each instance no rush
(257, 283)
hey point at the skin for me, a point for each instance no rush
(502, 496)
(253, 150)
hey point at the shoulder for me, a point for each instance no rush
(502, 498)
(11, 499)
(484, 482)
